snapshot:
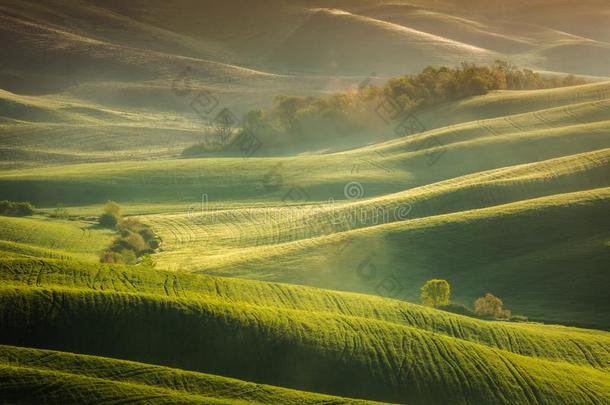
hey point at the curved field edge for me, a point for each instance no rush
(578, 346)
(60, 377)
(369, 359)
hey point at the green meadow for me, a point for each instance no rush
(334, 281)
(229, 327)
(213, 202)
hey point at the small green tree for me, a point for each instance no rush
(435, 292)
(112, 215)
(24, 209)
(108, 220)
(113, 208)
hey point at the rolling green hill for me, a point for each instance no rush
(118, 95)
(395, 47)
(461, 247)
(377, 348)
(432, 156)
(44, 376)
(291, 274)
(529, 173)
(46, 237)
(387, 32)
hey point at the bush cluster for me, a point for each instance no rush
(112, 215)
(433, 86)
(491, 306)
(16, 209)
(134, 239)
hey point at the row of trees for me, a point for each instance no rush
(436, 293)
(135, 240)
(433, 86)
(342, 113)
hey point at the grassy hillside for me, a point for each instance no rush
(107, 73)
(84, 125)
(40, 236)
(292, 274)
(378, 351)
(44, 376)
(460, 246)
(450, 184)
(502, 103)
(519, 338)
(384, 46)
(386, 32)
(431, 156)
(267, 225)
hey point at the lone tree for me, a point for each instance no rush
(111, 216)
(491, 306)
(435, 292)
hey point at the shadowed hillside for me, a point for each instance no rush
(42, 375)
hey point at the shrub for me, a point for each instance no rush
(148, 262)
(124, 233)
(154, 243)
(137, 243)
(435, 292)
(133, 242)
(123, 256)
(23, 209)
(147, 234)
(113, 208)
(109, 220)
(128, 257)
(491, 306)
(131, 225)
(16, 209)
(134, 238)
(112, 215)
(108, 256)
(202, 149)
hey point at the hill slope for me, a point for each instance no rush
(257, 291)
(574, 122)
(58, 377)
(532, 173)
(231, 334)
(46, 237)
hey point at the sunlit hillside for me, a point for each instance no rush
(305, 202)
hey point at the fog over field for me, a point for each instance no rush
(305, 202)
